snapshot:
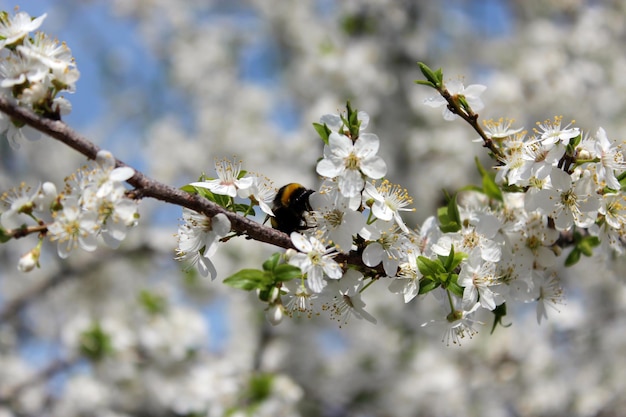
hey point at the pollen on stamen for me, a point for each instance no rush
(396, 197)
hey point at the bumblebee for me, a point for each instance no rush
(290, 204)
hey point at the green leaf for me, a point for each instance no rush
(472, 188)
(574, 142)
(359, 24)
(272, 262)
(286, 272)
(246, 209)
(453, 211)
(573, 257)
(449, 217)
(152, 303)
(95, 343)
(587, 244)
(453, 286)
(428, 267)
(354, 123)
(463, 102)
(426, 83)
(265, 294)
(3, 235)
(458, 258)
(427, 285)
(435, 77)
(450, 227)
(582, 246)
(249, 279)
(449, 259)
(221, 200)
(499, 313)
(189, 188)
(260, 387)
(452, 260)
(490, 188)
(323, 130)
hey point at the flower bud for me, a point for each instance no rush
(289, 253)
(274, 294)
(29, 260)
(274, 314)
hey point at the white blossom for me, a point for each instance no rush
(198, 239)
(349, 161)
(315, 261)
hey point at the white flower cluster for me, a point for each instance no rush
(199, 235)
(33, 71)
(555, 184)
(572, 192)
(350, 213)
(92, 204)
(157, 353)
(482, 253)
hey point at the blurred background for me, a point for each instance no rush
(169, 86)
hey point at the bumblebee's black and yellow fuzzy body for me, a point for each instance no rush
(290, 204)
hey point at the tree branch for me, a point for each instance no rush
(145, 186)
(10, 394)
(12, 307)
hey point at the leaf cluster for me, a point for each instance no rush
(273, 274)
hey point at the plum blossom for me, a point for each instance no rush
(228, 181)
(314, 260)
(198, 238)
(349, 161)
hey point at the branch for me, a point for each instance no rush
(145, 186)
(9, 394)
(12, 308)
(472, 119)
(25, 231)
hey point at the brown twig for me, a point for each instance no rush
(10, 393)
(145, 186)
(12, 307)
(472, 118)
(25, 231)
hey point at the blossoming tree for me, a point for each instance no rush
(547, 197)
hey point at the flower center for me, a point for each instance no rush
(569, 199)
(352, 162)
(334, 218)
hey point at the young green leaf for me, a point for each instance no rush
(286, 272)
(447, 260)
(428, 267)
(490, 188)
(353, 122)
(434, 77)
(427, 285)
(3, 235)
(499, 313)
(587, 244)
(249, 279)
(323, 130)
(426, 83)
(95, 343)
(272, 262)
(573, 257)
(449, 217)
(453, 286)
